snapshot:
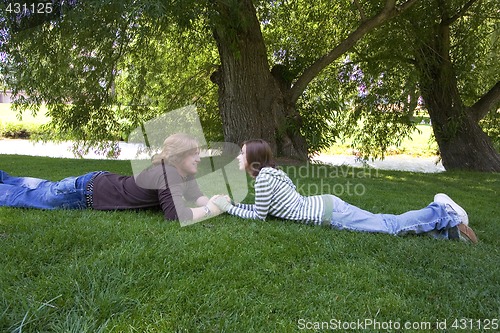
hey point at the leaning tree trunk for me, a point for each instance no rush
(251, 101)
(462, 143)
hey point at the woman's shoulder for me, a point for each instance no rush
(271, 172)
(273, 176)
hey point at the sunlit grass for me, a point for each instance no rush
(9, 116)
(15, 125)
(420, 143)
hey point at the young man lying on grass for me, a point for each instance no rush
(165, 185)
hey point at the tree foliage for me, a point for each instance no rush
(102, 77)
(390, 54)
(105, 67)
(336, 104)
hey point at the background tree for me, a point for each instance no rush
(96, 74)
(447, 51)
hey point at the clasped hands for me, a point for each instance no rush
(223, 202)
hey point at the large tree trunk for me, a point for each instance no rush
(462, 143)
(470, 148)
(256, 102)
(251, 102)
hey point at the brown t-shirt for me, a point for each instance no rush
(158, 186)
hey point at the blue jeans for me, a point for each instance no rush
(28, 192)
(435, 219)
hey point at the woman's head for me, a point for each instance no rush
(181, 151)
(255, 155)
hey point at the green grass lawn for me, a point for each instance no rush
(94, 271)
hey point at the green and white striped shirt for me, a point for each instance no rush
(276, 195)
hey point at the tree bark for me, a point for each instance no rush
(462, 142)
(251, 101)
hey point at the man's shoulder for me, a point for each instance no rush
(159, 169)
(158, 176)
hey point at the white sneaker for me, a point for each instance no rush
(443, 198)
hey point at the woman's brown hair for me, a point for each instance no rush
(258, 155)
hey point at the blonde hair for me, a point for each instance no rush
(175, 148)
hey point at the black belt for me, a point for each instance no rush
(89, 196)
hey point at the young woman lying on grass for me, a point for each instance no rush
(164, 185)
(276, 195)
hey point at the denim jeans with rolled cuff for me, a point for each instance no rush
(28, 192)
(434, 220)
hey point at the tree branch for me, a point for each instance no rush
(460, 13)
(361, 11)
(389, 11)
(481, 108)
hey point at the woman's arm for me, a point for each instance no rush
(263, 197)
(224, 203)
(245, 206)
